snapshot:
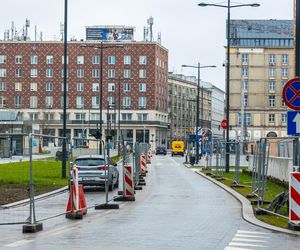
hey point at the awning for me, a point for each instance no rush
(9, 115)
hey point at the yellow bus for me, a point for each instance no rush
(178, 148)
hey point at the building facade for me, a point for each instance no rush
(262, 61)
(31, 83)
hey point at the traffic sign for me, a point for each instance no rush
(293, 122)
(224, 123)
(291, 94)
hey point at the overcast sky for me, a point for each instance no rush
(189, 32)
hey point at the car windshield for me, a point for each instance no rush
(89, 162)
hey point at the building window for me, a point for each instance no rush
(62, 87)
(126, 101)
(18, 59)
(111, 101)
(95, 59)
(282, 84)
(245, 85)
(62, 103)
(283, 118)
(49, 116)
(126, 117)
(284, 72)
(283, 104)
(2, 59)
(95, 73)
(80, 73)
(142, 73)
(111, 87)
(111, 60)
(33, 86)
(49, 101)
(245, 58)
(80, 59)
(272, 59)
(18, 72)
(142, 101)
(127, 73)
(62, 60)
(126, 87)
(95, 116)
(18, 86)
(80, 116)
(95, 102)
(127, 59)
(80, 86)
(244, 71)
(49, 73)
(142, 117)
(79, 102)
(285, 59)
(2, 86)
(2, 101)
(33, 59)
(33, 116)
(272, 72)
(271, 86)
(18, 101)
(245, 100)
(111, 73)
(33, 102)
(49, 86)
(2, 72)
(62, 73)
(272, 101)
(247, 119)
(143, 60)
(33, 73)
(142, 87)
(49, 59)
(271, 117)
(95, 87)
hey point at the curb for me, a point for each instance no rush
(39, 197)
(247, 210)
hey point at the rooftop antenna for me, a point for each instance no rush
(150, 23)
(12, 31)
(61, 31)
(27, 25)
(159, 37)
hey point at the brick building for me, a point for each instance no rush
(31, 83)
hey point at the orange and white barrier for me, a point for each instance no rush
(294, 213)
(149, 155)
(128, 180)
(143, 163)
(76, 206)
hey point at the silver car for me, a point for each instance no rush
(92, 171)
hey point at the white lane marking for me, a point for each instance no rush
(252, 232)
(248, 240)
(245, 245)
(251, 236)
(236, 248)
(19, 243)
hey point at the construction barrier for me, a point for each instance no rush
(128, 180)
(143, 163)
(149, 155)
(294, 207)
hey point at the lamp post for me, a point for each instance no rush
(228, 6)
(197, 102)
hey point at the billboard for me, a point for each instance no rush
(110, 33)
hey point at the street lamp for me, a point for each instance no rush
(228, 6)
(197, 102)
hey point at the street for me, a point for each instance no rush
(178, 209)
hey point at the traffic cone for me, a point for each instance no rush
(71, 211)
(82, 202)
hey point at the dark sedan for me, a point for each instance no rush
(161, 151)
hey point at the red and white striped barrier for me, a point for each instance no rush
(128, 180)
(149, 155)
(294, 214)
(143, 163)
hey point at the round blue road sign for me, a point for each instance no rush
(291, 94)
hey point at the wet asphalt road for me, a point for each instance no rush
(177, 209)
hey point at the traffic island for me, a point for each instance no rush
(32, 228)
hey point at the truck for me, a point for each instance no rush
(177, 148)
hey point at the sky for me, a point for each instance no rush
(191, 34)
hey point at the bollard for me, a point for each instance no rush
(294, 201)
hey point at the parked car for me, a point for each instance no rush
(92, 171)
(161, 151)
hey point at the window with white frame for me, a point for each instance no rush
(142, 87)
(245, 71)
(95, 73)
(95, 116)
(95, 87)
(49, 73)
(271, 86)
(111, 73)
(62, 73)
(95, 102)
(245, 100)
(283, 118)
(127, 60)
(272, 59)
(142, 117)
(271, 117)
(142, 73)
(33, 86)
(127, 73)
(284, 72)
(2, 72)
(2, 59)
(63, 61)
(49, 86)
(80, 59)
(272, 101)
(18, 86)
(2, 86)
(126, 87)
(111, 60)
(80, 116)
(272, 72)
(282, 84)
(142, 101)
(33, 116)
(18, 72)
(49, 59)
(95, 59)
(2, 101)
(111, 101)
(18, 101)
(79, 102)
(245, 85)
(62, 102)
(33, 72)
(111, 87)
(283, 104)
(247, 119)
(34, 59)
(49, 116)
(33, 102)
(126, 117)
(245, 58)
(80, 86)
(18, 59)
(80, 73)
(62, 87)
(285, 59)
(61, 116)
(142, 60)
(126, 101)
